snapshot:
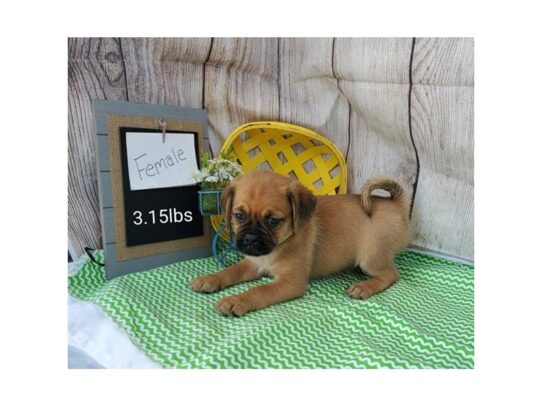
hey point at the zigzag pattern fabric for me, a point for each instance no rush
(425, 320)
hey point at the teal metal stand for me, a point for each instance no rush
(223, 251)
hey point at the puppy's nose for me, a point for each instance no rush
(249, 238)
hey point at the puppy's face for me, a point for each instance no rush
(264, 209)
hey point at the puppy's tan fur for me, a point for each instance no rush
(317, 237)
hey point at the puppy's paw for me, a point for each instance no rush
(360, 289)
(206, 284)
(233, 306)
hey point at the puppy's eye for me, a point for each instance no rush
(273, 222)
(240, 216)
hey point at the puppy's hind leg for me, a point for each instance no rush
(383, 275)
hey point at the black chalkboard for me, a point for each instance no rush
(163, 214)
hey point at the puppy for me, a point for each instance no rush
(293, 236)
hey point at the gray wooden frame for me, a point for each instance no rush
(101, 109)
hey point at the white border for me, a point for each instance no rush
(508, 220)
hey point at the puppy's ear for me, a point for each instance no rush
(226, 202)
(303, 203)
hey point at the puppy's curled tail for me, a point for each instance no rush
(396, 191)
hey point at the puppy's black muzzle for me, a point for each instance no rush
(254, 242)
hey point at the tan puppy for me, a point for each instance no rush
(291, 235)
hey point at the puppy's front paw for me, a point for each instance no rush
(361, 289)
(206, 284)
(233, 306)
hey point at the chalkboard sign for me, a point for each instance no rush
(163, 210)
(148, 199)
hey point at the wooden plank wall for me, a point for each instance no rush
(95, 71)
(241, 77)
(355, 91)
(443, 127)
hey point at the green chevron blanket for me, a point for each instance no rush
(425, 320)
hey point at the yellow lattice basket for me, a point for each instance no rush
(290, 150)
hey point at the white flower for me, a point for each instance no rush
(211, 178)
(199, 175)
(225, 174)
